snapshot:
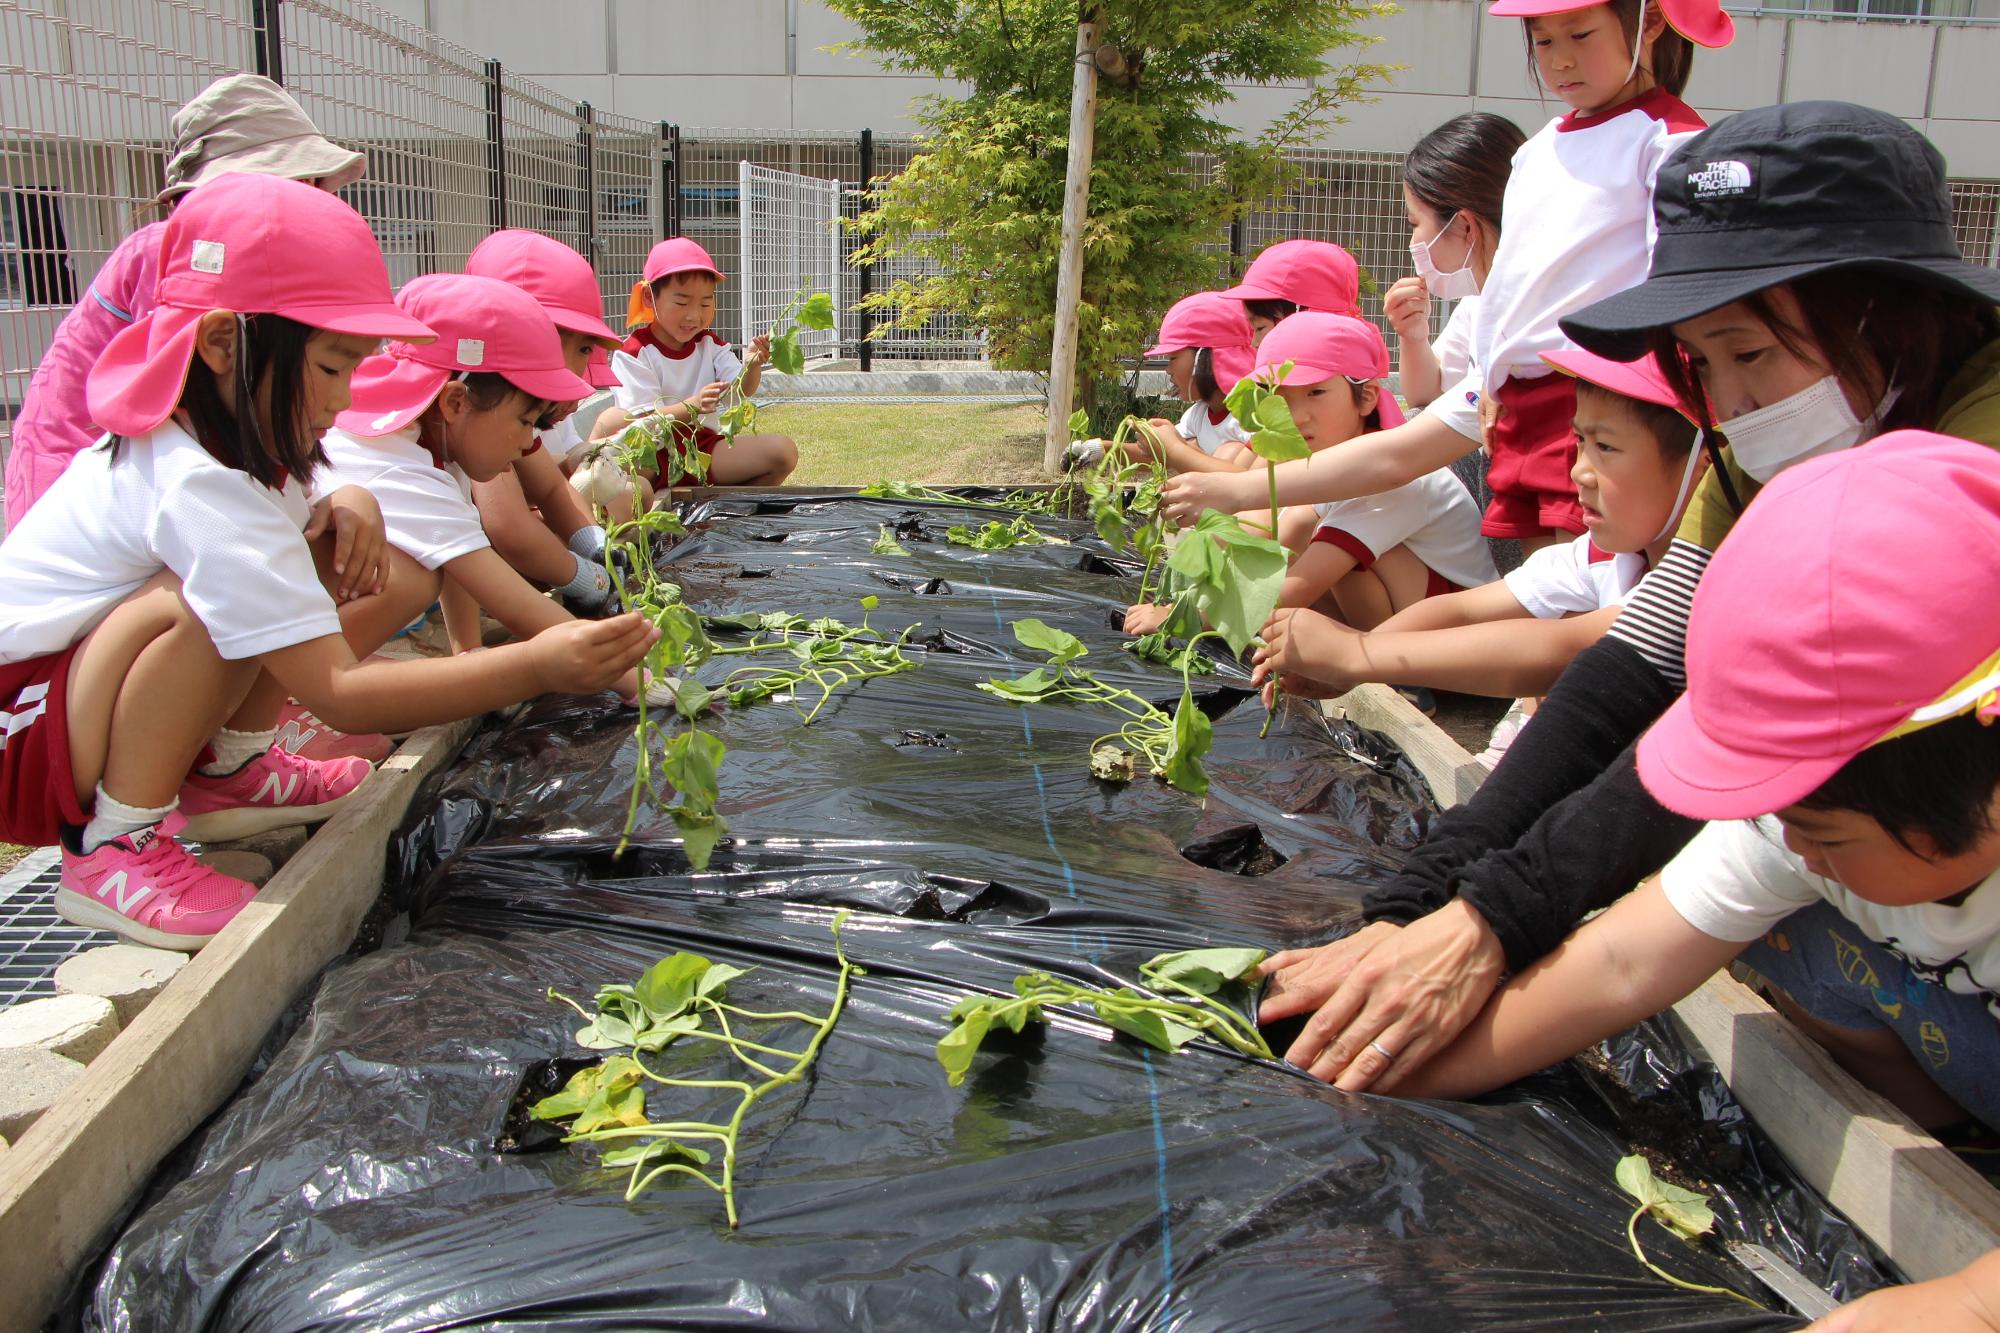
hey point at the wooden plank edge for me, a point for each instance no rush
(1910, 1195)
(72, 1175)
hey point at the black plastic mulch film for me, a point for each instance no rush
(1075, 1181)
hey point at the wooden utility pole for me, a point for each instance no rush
(1076, 206)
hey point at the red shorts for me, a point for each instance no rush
(1437, 585)
(37, 786)
(1534, 448)
(705, 440)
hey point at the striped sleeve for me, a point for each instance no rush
(1655, 621)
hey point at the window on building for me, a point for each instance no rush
(35, 267)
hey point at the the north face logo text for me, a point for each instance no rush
(1720, 178)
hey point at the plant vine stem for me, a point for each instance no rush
(1632, 1234)
(1246, 1039)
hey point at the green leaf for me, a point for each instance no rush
(604, 1094)
(870, 602)
(1134, 1015)
(886, 544)
(1683, 1212)
(1206, 970)
(1022, 688)
(657, 1153)
(1060, 645)
(1079, 422)
(668, 986)
(606, 1034)
(659, 1036)
(1192, 735)
(692, 762)
(787, 357)
(957, 1047)
(1235, 576)
(717, 977)
(699, 834)
(817, 312)
(692, 698)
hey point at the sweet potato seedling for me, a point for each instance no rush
(1680, 1211)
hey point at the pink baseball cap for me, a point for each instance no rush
(1642, 379)
(677, 254)
(1312, 275)
(546, 269)
(1214, 321)
(482, 324)
(1702, 22)
(1320, 346)
(1809, 642)
(255, 245)
(599, 371)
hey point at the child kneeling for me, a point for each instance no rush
(1838, 720)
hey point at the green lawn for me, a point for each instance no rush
(852, 444)
(9, 854)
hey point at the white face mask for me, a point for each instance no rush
(1460, 282)
(1816, 420)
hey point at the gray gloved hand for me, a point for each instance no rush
(588, 544)
(589, 590)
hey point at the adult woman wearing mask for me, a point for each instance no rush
(243, 122)
(1453, 183)
(1807, 285)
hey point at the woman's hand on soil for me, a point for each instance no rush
(1145, 617)
(1312, 656)
(1186, 495)
(1407, 307)
(360, 541)
(586, 656)
(1413, 989)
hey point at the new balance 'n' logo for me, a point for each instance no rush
(113, 889)
(276, 790)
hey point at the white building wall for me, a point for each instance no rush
(766, 64)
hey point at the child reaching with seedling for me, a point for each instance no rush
(1635, 468)
(533, 517)
(1375, 556)
(674, 366)
(1838, 726)
(1206, 340)
(1578, 227)
(429, 421)
(159, 582)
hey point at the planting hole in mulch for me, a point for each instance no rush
(920, 739)
(906, 583)
(747, 573)
(520, 1131)
(1093, 563)
(910, 528)
(1239, 849)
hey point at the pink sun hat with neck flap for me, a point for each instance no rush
(678, 254)
(1805, 646)
(1211, 321)
(1312, 275)
(482, 324)
(1702, 22)
(254, 245)
(555, 275)
(1642, 379)
(1321, 346)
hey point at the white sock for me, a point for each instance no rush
(112, 818)
(233, 749)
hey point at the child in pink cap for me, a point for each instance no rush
(534, 519)
(1838, 727)
(674, 365)
(1206, 340)
(1636, 465)
(1289, 276)
(431, 420)
(1577, 226)
(164, 596)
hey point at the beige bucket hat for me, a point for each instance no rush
(245, 122)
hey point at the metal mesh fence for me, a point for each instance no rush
(790, 237)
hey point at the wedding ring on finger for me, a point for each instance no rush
(1383, 1051)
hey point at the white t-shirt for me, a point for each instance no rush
(650, 375)
(1576, 226)
(109, 525)
(427, 509)
(561, 439)
(1569, 578)
(1736, 880)
(1207, 433)
(1453, 348)
(1434, 516)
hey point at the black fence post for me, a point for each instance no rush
(862, 272)
(1236, 247)
(672, 173)
(496, 145)
(268, 25)
(586, 139)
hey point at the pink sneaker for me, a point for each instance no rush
(304, 735)
(150, 889)
(273, 790)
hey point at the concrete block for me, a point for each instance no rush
(239, 864)
(77, 1026)
(276, 846)
(128, 975)
(31, 1081)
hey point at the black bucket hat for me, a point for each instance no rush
(1771, 195)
